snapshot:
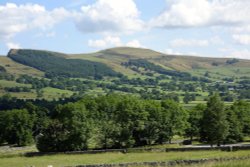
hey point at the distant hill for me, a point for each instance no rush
(32, 74)
(110, 62)
(56, 64)
(114, 57)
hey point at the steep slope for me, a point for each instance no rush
(115, 56)
(56, 64)
(17, 69)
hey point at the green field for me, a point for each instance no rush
(64, 160)
(4, 83)
(53, 93)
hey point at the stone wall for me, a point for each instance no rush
(167, 163)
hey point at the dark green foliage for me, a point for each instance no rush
(112, 121)
(151, 66)
(235, 128)
(17, 89)
(119, 121)
(177, 116)
(245, 94)
(214, 121)
(53, 137)
(68, 131)
(232, 61)
(2, 69)
(54, 64)
(16, 127)
(188, 97)
(195, 117)
(242, 110)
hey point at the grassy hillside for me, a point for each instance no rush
(16, 69)
(55, 64)
(115, 56)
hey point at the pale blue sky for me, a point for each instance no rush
(213, 28)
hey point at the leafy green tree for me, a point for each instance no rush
(153, 123)
(109, 131)
(40, 115)
(53, 137)
(131, 115)
(194, 119)
(2, 127)
(177, 118)
(242, 110)
(18, 127)
(235, 133)
(215, 125)
(71, 126)
(186, 98)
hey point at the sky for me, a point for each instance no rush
(210, 28)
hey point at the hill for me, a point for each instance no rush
(114, 57)
(55, 64)
(144, 72)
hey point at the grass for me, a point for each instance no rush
(66, 160)
(54, 93)
(238, 163)
(4, 83)
(223, 72)
(18, 69)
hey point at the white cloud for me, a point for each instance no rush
(188, 43)
(194, 13)
(109, 16)
(235, 53)
(12, 45)
(113, 41)
(243, 39)
(216, 40)
(19, 18)
(108, 41)
(45, 34)
(170, 51)
(242, 54)
(242, 28)
(135, 43)
(100, 43)
(184, 13)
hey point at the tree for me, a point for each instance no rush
(2, 127)
(177, 118)
(194, 119)
(150, 133)
(131, 116)
(18, 127)
(187, 98)
(242, 110)
(215, 125)
(235, 127)
(68, 131)
(52, 138)
(108, 132)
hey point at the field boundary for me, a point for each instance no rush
(136, 150)
(165, 163)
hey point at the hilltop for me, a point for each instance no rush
(115, 56)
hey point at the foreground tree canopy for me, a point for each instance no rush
(121, 121)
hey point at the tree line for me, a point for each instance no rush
(121, 121)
